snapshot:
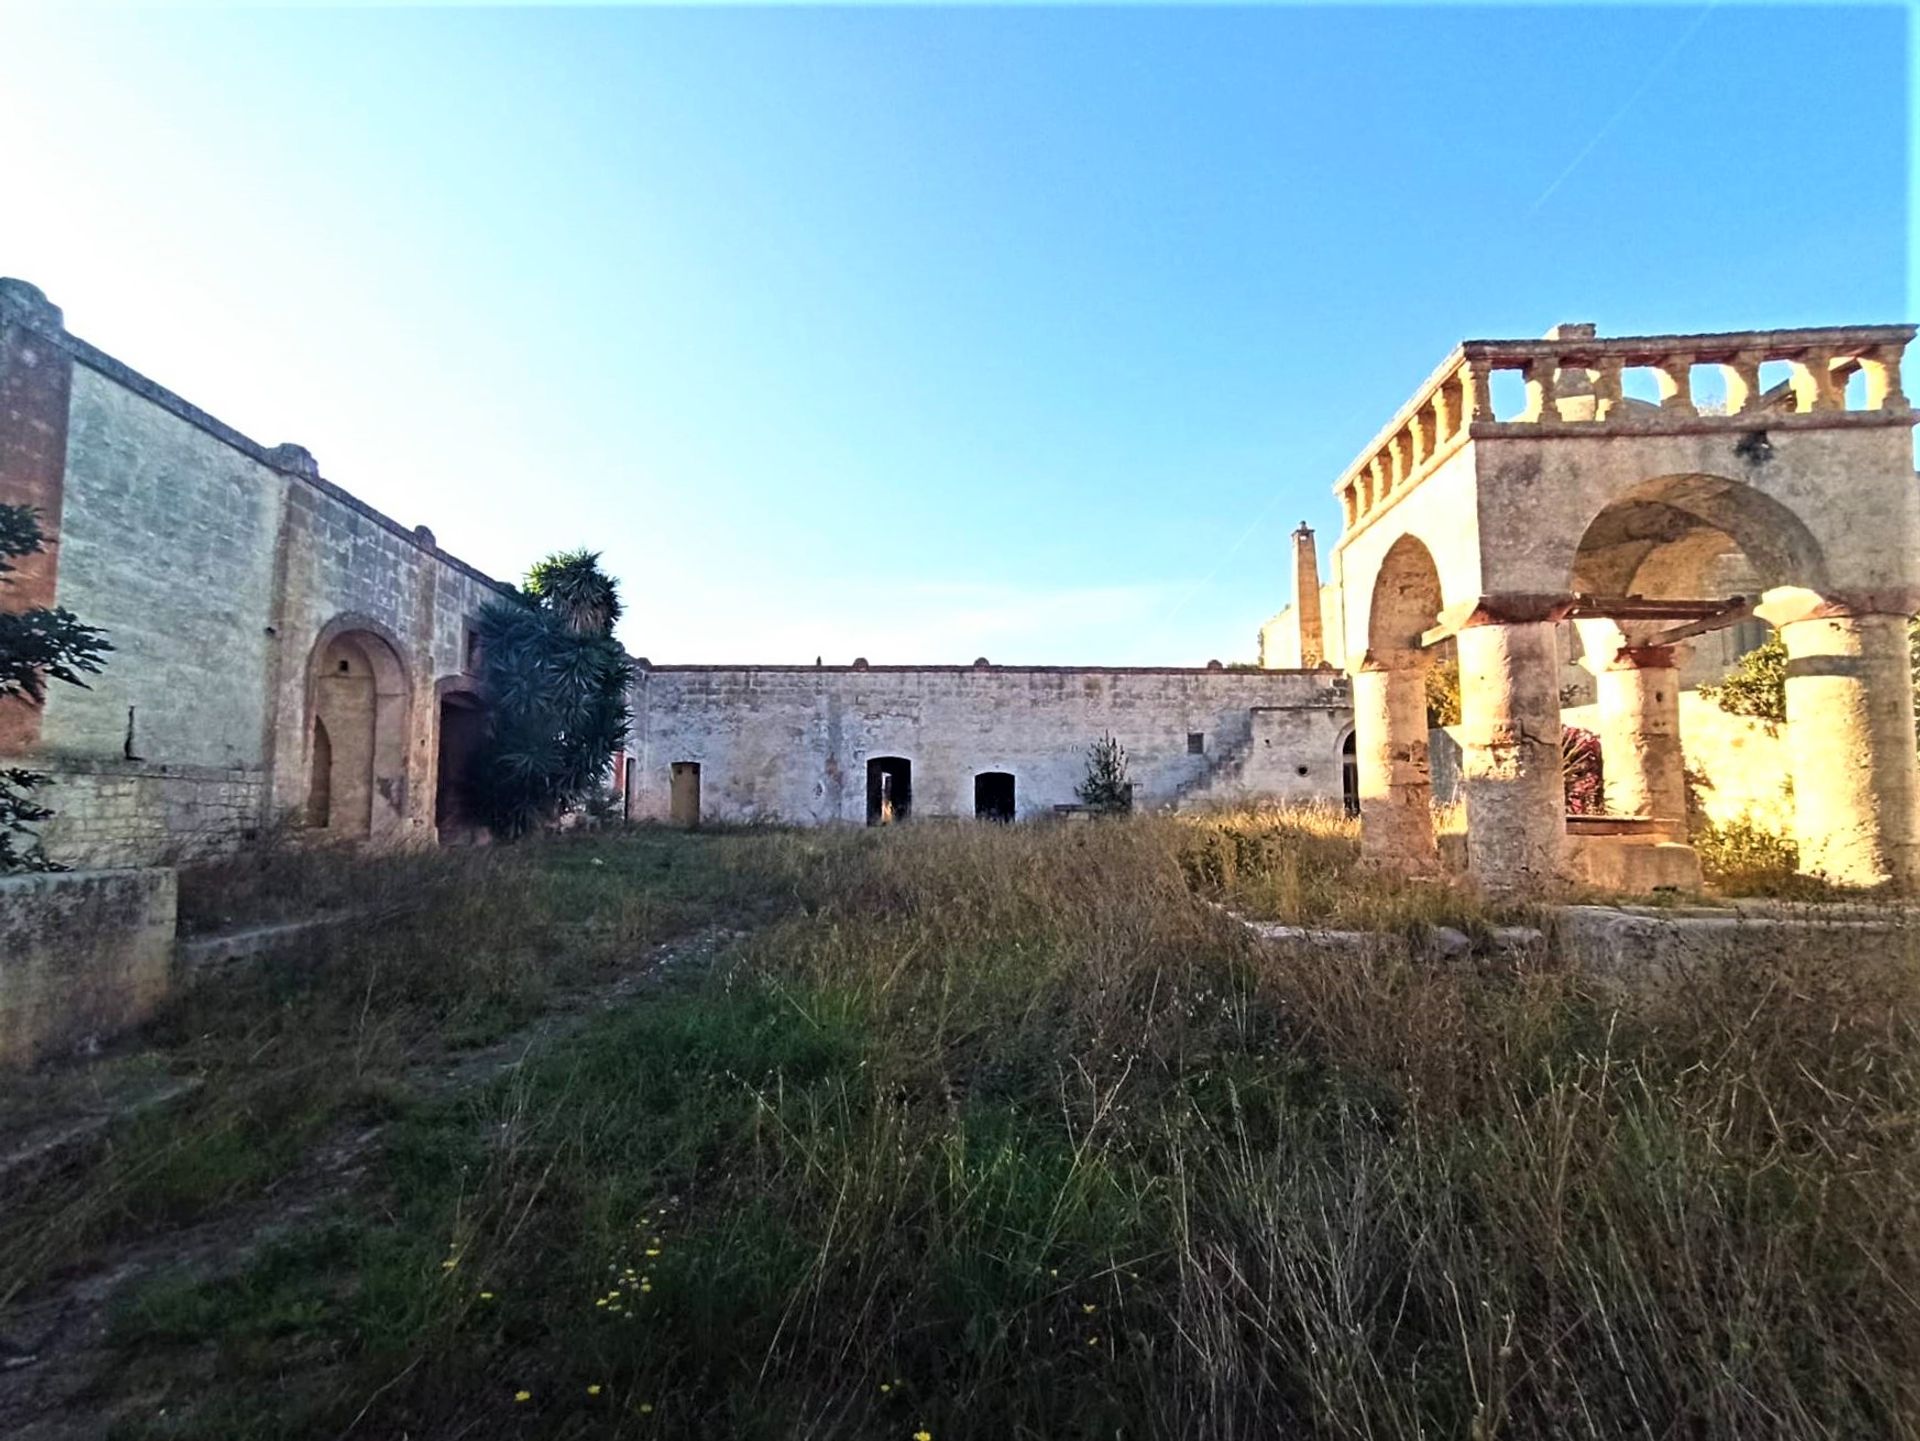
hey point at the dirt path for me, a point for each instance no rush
(54, 1344)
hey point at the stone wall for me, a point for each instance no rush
(82, 954)
(220, 569)
(792, 743)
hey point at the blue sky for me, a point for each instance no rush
(919, 334)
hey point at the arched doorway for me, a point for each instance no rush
(357, 742)
(463, 731)
(1667, 576)
(1392, 784)
(889, 790)
(993, 796)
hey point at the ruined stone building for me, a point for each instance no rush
(283, 653)
(1646, 539)
(876, 743)
(286, 655)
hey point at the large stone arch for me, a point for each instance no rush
(359, 702)
(1657, 538)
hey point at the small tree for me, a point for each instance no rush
(555, 681)
(35, 646)
(1443, 694)
(1106, 790)
(1756, 685)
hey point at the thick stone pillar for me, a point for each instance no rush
(1510, 754)
(1638, 690)
(1850, 745)
(1390, 746)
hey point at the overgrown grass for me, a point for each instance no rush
(285, 1051)
(1002, 1132)
(1304, 865)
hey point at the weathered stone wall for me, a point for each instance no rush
(792, 743)
(82, 954)
(219, 569)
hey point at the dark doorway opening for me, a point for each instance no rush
(683, 804)
(1350, 776)
(320, 784)
(463, 727)
(993, 796)
(889, 790)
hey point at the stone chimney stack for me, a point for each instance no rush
(1306, 596)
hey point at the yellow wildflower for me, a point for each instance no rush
(486, 1295)
(593, 1390)
(923, 1435)
(1088, 1307)
(884, 1388)
(519, 1396)
(646, 1408)
(651, 1251)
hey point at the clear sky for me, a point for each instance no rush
(919, 334)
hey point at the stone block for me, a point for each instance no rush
(83, 954)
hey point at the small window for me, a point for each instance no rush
(1196, 743)
(345, 669)
(472, 651)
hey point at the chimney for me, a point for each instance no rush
(1306, 596)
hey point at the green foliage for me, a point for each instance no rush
(1745, 858)
(571, 584)
(1106, 790)
(1443, 694)
(35, 646)
(1757, 684)
(555, 681)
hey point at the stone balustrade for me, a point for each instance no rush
(1573, 383)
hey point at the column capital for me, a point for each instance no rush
(1791, 604)
(1508, 608)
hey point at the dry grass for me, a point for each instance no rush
(1003, 1132)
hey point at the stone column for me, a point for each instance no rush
(1510, 754)
(1638, 691)
(1850, 746)
(1390, 746)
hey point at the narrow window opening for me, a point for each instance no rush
(1196, 743)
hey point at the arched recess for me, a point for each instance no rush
(358, 703)
(1406, 600)
(1694, 537)
(1667, 533)
(1392, 785)
(460, 733)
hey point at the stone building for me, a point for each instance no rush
(812, 744)
(1594, 526)
(283, 653)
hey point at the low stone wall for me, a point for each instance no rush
(134, 813)
(82, 954)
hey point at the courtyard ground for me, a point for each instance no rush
(960, 1131)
